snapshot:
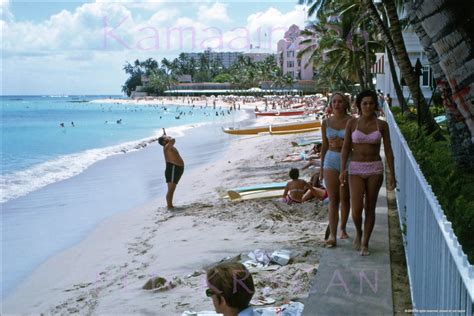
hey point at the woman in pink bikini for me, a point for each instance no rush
(362, 141)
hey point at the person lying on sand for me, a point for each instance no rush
(312, 154)
(296, 188)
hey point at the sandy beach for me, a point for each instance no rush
(106, 272)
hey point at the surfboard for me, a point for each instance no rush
(262, 194)
(237, 195)
(261, 186)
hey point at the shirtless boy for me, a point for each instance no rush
(174, 166)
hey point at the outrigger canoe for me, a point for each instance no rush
(275, 128)
(279, 113)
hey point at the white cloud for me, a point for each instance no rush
(264, 29)
(137, 4)
(83, 29)
(5, 13)
(216, 12)
(94, 41)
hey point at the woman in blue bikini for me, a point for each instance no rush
(333, 131)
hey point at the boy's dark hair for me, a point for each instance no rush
(294, 173)
(363, 94)
(162, 140)
(232, 281)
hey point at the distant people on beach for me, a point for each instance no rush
(119, 121)
(362, 141)
(174, 166)
(61, 125)
(72, 124)
(231, 288)
(333, 133)
(296, 188)
(311, 155)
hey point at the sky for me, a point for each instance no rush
(77, 48)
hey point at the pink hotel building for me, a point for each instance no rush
(287, 55)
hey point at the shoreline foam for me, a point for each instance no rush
(20, 183)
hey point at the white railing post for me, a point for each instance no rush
(441, 278)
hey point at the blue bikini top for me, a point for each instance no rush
(333, 133)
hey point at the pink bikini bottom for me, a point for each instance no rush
(365, 169)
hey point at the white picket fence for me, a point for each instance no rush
(441, 278)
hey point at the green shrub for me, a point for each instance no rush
(437, 110)
(452, 186)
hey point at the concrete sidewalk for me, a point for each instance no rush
(349, 284)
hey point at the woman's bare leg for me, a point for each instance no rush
(373, 187)
(308, 195)
(332, 181)
(357, 188)
(345, 208)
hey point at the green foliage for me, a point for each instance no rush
(244, 73)
(452, 186)
(437, 110)
(222, 77)
(342, 43)
(131, 84)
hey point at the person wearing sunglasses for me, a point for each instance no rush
(230, 286)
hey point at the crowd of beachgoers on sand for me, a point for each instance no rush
(164, 255)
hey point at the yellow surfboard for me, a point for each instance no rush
(255, 195)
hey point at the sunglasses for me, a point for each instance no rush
(209, 292)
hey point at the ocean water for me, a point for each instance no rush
(37, 151)
(58, 183)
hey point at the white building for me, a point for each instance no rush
(256, 57)
(384, 77)
(227, 58)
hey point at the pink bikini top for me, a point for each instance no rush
(359, 137)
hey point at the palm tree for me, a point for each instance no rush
(346, 43)
(391, 64)
(278, 80)
(394, 41)
(441, 24)
(342, 47)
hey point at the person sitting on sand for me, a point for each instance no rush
(174, 166)
(319, 191)
(296, 188)
(231, 287)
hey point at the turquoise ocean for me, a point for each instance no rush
(70, 162)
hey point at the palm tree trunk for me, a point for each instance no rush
(393, 71)
(424, 115)
(368, 75)
(396, 82)
(394, 42)
(444, 25)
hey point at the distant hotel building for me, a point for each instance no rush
(287, 55)
(227, 58)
